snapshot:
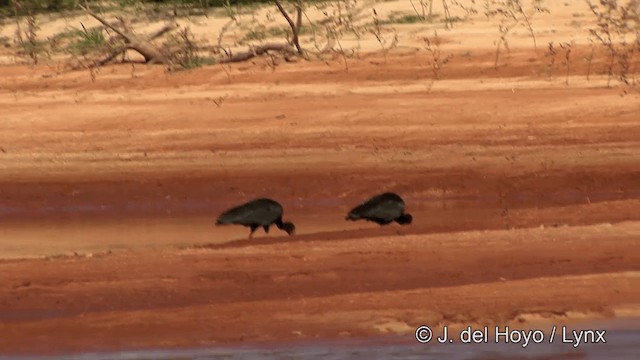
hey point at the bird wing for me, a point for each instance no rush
(385, 209)
(250, 214)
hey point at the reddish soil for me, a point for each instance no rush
(525, 194)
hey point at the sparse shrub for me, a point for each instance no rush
(511, 14)
(618, 30)
(336, 23)
(333, 35)
(404, 19)
(553, 51)
(589, 59)
(5, 41)
(422, 15)
(87, 41)
(467, 6)
(185, 52)
(27, 40)
(567, 47)
(448, 20)
(436, 60)
(550, 54)
(385, 41)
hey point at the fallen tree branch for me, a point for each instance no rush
(143, 46)
(164, 30)
(104, 22)
(257, 51)
(114, 53)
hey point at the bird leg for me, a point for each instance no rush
(253, 229)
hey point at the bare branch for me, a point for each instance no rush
(105, 23)
(295, 27)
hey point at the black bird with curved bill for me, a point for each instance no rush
(383, 209)
(257, 213)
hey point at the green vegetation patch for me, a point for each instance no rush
(86, 41)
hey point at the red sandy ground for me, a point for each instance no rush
(525, 194)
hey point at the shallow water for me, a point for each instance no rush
(621, 344)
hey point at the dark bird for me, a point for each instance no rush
(256, 213)
(382, 209)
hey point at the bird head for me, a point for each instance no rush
(289, 228)
(405, 219)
